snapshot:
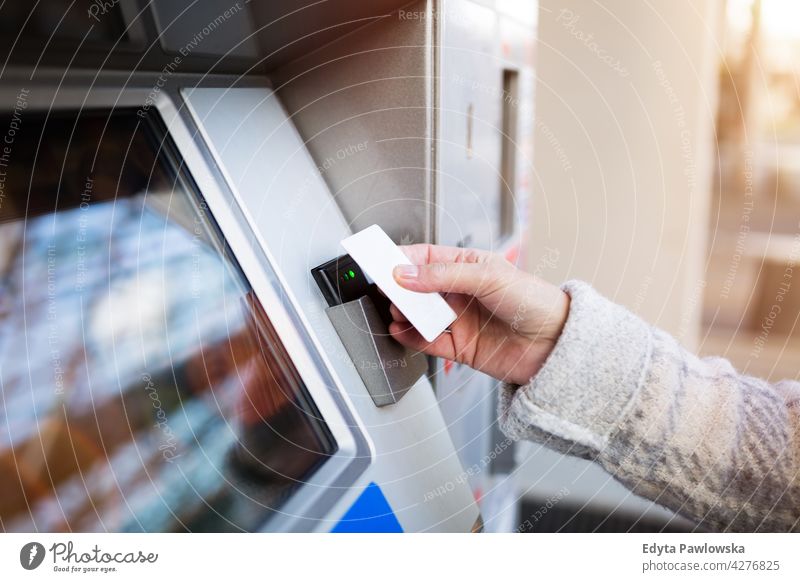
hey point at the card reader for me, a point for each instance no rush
(377, 255)
(341, 280)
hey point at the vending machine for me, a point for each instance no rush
(439, 98)
(170, 179)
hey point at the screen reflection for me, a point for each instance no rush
(143, 386)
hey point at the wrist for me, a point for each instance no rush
(553, 307)
(590, 375)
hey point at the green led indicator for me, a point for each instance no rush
(351, 273)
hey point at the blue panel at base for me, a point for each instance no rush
(370, 513)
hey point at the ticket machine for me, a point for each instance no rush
(170, 177)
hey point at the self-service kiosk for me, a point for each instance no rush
(169, 179)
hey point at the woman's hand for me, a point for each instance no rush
(508, 320)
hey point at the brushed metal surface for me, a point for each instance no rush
(363, 107)
(387, 368)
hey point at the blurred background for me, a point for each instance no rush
(755, 202)
(651, 149)
(667, 161)
(680, 193)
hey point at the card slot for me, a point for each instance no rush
(387, 368)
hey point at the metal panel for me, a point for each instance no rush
(291, 29)
(387, 368)
(363, 107)
(296, 221)
(484, 147)
(213, 28)
(469, 139)
(82, 90)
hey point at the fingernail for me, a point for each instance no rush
(406, 271)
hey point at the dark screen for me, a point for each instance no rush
(143, 385)
(63, 22)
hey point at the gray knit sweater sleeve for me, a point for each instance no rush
(692, 434)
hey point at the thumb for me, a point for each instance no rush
(474, 279)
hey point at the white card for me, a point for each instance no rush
(377, 256)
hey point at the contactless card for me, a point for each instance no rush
(377, 256)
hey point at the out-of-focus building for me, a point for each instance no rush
(752, 301)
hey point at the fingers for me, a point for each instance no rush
(476, 279)
(497, 284)
(423, 254)
(458, 302)
(404, 333)
(396, 314)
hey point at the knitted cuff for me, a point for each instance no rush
(588, 381)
